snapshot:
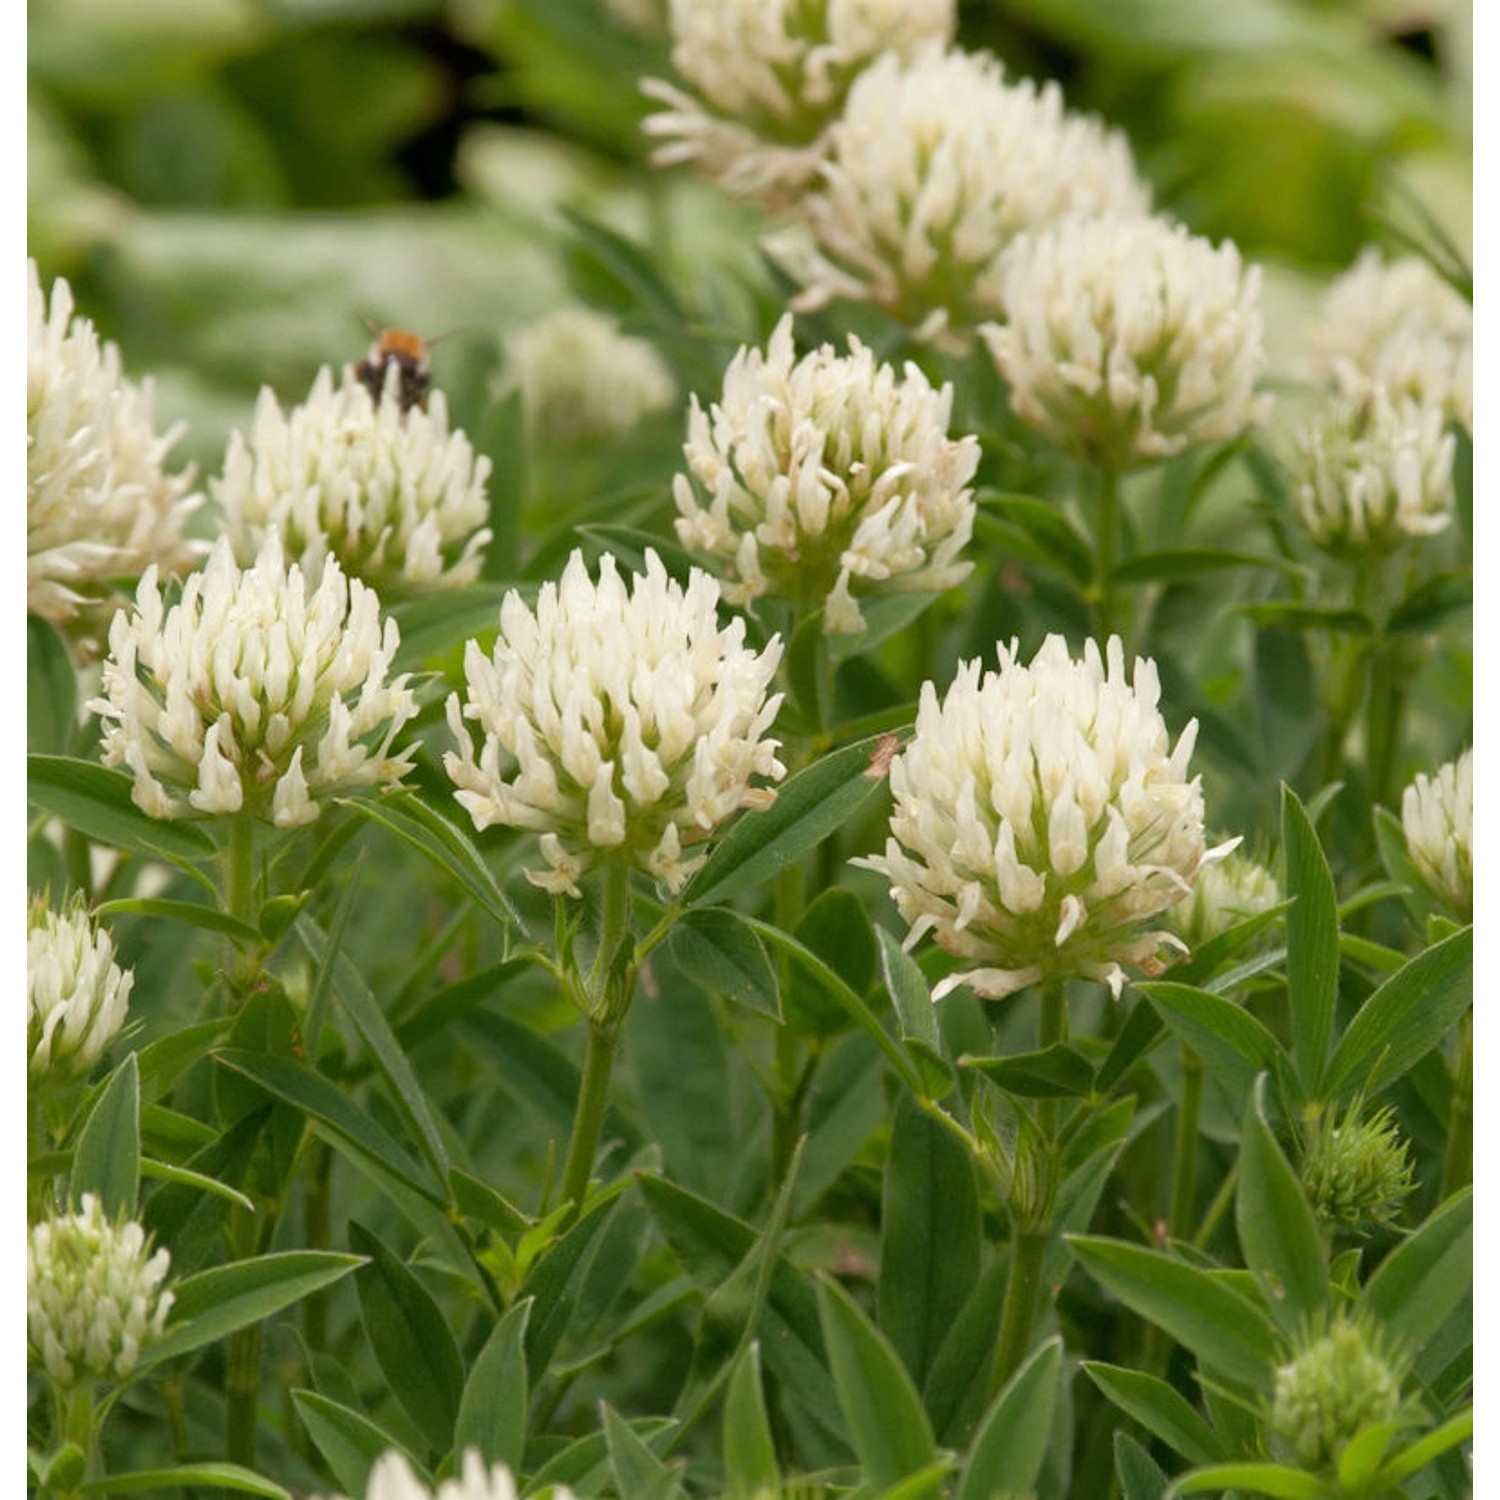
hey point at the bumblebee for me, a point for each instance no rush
(409, 353)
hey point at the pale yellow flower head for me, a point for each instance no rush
(76, 993)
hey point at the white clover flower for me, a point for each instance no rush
(253, 693)
(392, 1478)
(769, 76)
(94, 1295)
(615, 720)
(934, 167)
(1399, 326)
(1125, 340)
(76, 993)
(579, 376)
(1041, 817)
(1371, 472)
(827, 477)
(100, 508)
(395, 496)
(1227, 891)
(1437, 816)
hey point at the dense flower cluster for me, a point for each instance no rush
(1400, 327)
(76, 994)
(934, 167)
(828, 478)
(1437, 815)
(392, 494)
(1336, 1384)
(768, 76)
(100, 507)
(254, 692)
(392, 1478)
(579, 376)
(94, 1294)
(615, 719)
(1042, 817)
(1125, 340)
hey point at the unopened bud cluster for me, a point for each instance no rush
(1227, 891)
(1336, 1384)
(76, 994)
(1357, 1171)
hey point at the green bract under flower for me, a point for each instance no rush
(615, 720)
(76, 993)
(828, 480)
(254, 693)
(1041, 818)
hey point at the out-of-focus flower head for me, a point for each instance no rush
(1228, 891)
(392, 1478)
(828, 479)
(1437, 814)
(392, 494)
(1400, 327)
(615, 721)
(934, 167)
(100, 506)
(579, 376)
(1126, 340)
(1042, 817)
(76, 993)
(767, 77)
(254, 693)
(94, 1295)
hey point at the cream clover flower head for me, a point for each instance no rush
(1371, 472)
(254, 693)
(1041, 818)
(392, 494)
(1227, 891)
(100, 507)
(1401, 327)
(579, 376)
(94, 1295)
(828, 479)
(767, 77)
(76, 993)
(934, 167)
(1437, 816)
(392, 1478)
(615, 720)
(1126, 340)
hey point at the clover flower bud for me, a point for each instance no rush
(76, 993)
(100, 507)
(1227, 891)
(1371, 473)
(615, 720)
(1437, 815)
(1126, 340)
(934, 167)
(767, 77)
(1337, 1383)
(254, 693)
(1356, 1170)
(1041, 818)
(94, 1294)
(1398, 327)
(579, 376)
(392, 494)
(828, 479)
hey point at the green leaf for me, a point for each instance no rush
(219, 1475)
(107, 1156)
(1430, 605)
(1312, 943)
(887, 1425)
(1227, 1332)
(716, 950)
(1277, 1227)
(492, 1413)
(835, 927)
(217, 1302)
(930, 1236)
(349, 1441)
(638, 1471)
(478, 1200)
(1176, 564)
(1231, 1041)
(193, 913)
(1159, 1409)
(167, 1058)
(1056, 1072)
(1275, 1480)
(1362, 1454)
(552, 1284)
(1284, 615)
(1057, 538)
(958, 1384)
(1142, 1029)
(759, 845)
(1420, 1282)
(1140, 1477)
(432, 626)
(1406, 1017)
(51, 689)
(749, 1450)
(911, 999)
(1456, 1430)
(1008, 1450)
(410, 1337)
(96, 801)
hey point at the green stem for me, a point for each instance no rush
(1106, 544)
(1385, 708)
(1053, 1029)
(1185, 1152)
(239, 874)
(786, 1101)
(593, 1095)
(79, 1424)
(1218, 1208)
(317, 1227)
(1458, 1160)
(242, 1394)
(1021, 1288)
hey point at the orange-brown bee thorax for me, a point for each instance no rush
(408, 353)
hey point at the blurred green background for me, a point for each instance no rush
(233, 185)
